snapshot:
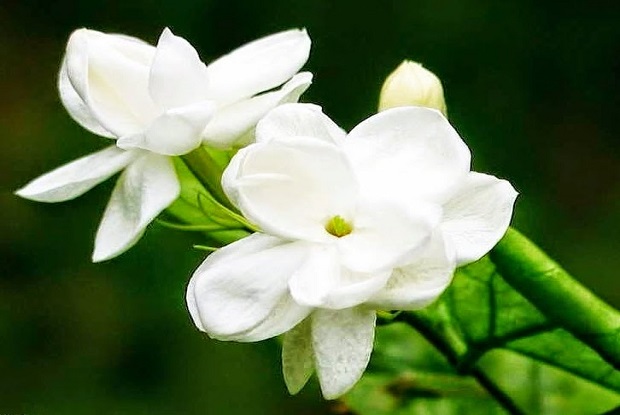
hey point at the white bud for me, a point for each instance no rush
(412, 84)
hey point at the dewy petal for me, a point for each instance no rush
(258, 66)
(342, 341)
(234, 124)
(239, 288)
(79, 176)
(386, 234)
(75, 105)
(291, 187)
(419, 283)
(146, 187)
(477, 216)
(175, 132)
(408, 153)
(110, 74)
(178, 77)
(297, 356)
(298, 120)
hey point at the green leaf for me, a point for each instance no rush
(505, 353)
(407, 375)
(545, 389)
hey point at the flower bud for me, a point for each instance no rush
(412, 84)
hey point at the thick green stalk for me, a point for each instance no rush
(557, 295)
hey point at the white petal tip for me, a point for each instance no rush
(166, 35)
(25, 193)
(294, 88)
(305, 76)
(22, 192)
(77, 33)
(330, 395)
(45, 195)
(107, 253)
(100, 256)
(302, 32)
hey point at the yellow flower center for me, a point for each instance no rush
(338, 226)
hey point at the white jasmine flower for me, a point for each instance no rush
(158, 102)
(376, 219)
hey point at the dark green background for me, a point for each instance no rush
(532, 87)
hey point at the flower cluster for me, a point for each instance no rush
(348, 224)
(157, 102)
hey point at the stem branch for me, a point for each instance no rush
(441, 345)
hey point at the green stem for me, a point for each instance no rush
(453, 357)
(192, 228)
(557, 295)
(209, 173)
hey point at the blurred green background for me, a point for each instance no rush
(532, 87)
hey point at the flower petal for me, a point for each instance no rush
(408, 153)
(316, 277)
(386, 234)
(77, 177)
(110, 73)
(243, 285)
(178, 77)
(291, 187)
(75, 105)
(173, 133)
(416, 285)
(253, 244)
(354, 288)
(342, 341)
(146, 187)
(286, 314)
(258, 66)
(477, 216)
(234, 124)
(298, 120)
(297, 359)
(322, 282)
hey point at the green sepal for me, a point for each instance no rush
(196, 209)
